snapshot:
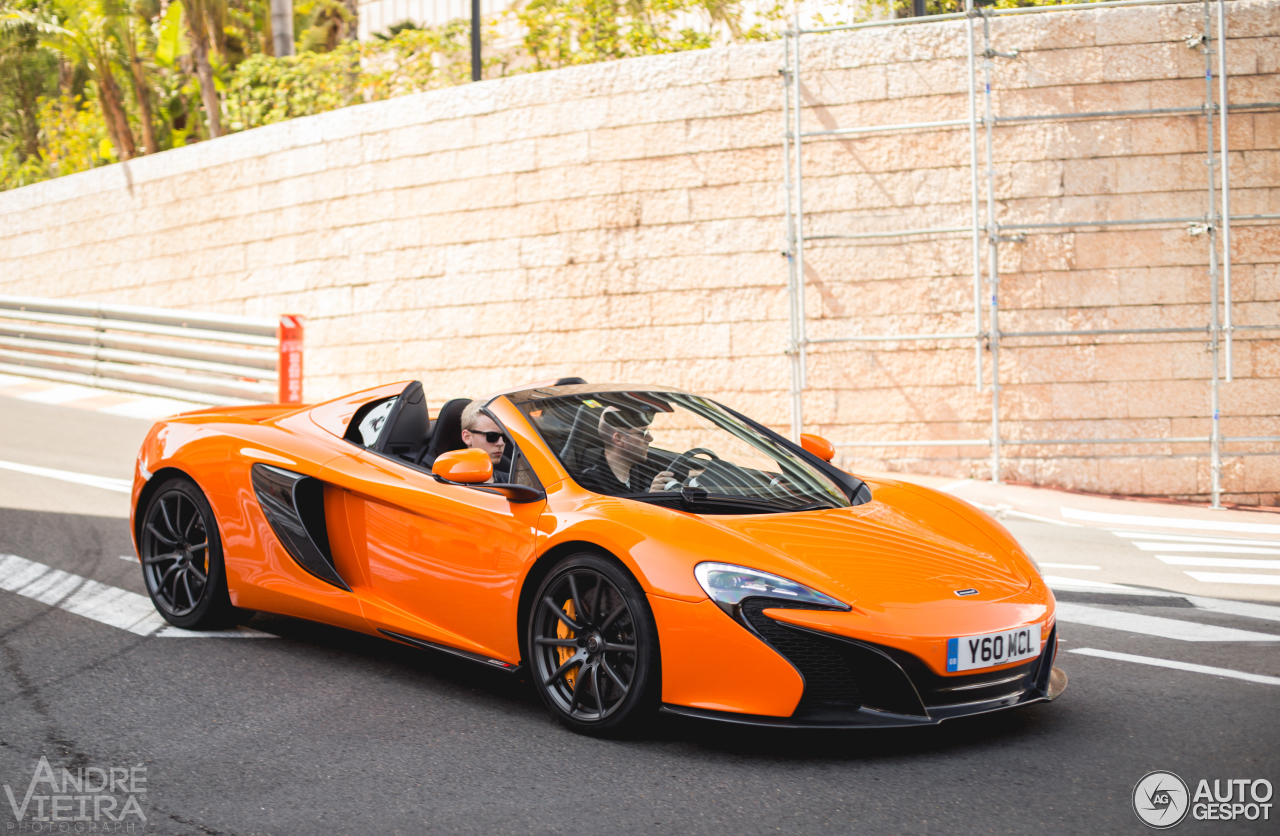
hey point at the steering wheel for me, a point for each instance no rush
(679, 466)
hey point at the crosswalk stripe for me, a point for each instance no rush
(1203, 547)
(1232, 577)
(1059, 582)
(1067, 566)
(1168, 628)
(1170, 522)
(108, 605)
(1182, 666)
(1190, 538)
(1220, 562)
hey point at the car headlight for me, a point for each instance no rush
(730, 585)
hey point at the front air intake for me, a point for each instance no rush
(828, 681)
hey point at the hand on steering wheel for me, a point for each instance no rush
(678, 470)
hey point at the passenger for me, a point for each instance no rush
(480, 432)
(624, 468)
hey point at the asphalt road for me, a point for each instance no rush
(309, 729)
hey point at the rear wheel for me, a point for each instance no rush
(593, 647)
(182, 558)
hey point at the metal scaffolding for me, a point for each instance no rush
(1215, 224)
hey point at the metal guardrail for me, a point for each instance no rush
(220, 358)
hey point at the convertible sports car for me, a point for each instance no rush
(626, 548)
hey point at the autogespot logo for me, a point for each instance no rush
(1160, 800)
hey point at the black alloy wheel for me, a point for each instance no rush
(593, 645)
(182, 558)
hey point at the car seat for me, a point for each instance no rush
(446, 434)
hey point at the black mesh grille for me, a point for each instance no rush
(828, 681)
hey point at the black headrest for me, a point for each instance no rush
(408, 424)
(447, 434)
(570, 381)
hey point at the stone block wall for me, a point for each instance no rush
(624, 221)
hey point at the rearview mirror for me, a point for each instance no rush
(818, 446)
(470, 467)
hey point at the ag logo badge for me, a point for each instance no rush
(1161, 800)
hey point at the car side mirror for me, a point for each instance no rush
(818, 446)
(467, 467)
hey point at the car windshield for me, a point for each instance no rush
(677, 449)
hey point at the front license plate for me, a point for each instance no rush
(986, 651)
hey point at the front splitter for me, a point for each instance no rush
(868, 718)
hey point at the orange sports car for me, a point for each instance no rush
(628, 549)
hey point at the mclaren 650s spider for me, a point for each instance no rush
(626, 549)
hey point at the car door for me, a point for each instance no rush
(440, 562)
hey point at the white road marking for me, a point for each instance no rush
(61, 394)
(1240, 608)
(1058, 582)
(1182, 666)
(954, 485)
(1220, 562)
(151, 408)
(107, 483)
(1191, 538)
(1067, 565)
(1232, 577)
(1167, 628)
(105, 604)
(1219, 605)
(1170, 522)
(1003, 510)
(1202, 547)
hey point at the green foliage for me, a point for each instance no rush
(86, 82)
(264, 90)
(27, 74)
(560, 33)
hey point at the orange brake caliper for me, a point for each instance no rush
(563, 632)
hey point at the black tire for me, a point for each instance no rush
(181, 554)
(598, 671)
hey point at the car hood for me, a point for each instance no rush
(908, 547)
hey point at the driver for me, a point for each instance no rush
(480, 432)
(624, 468)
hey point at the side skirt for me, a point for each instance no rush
(496, 664)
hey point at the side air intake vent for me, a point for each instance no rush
(294, 505)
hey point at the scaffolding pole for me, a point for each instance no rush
(975, 198)
(800, 360)
(1224, 109)
(1214, 224)
(791, 239)
(1215, 385)
(993, 249)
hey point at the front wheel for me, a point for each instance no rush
(182, 558)
(593, 646)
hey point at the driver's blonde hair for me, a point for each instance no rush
(471, 414)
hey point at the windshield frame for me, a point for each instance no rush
(855, 491)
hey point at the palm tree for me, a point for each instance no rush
(199, 15)
(82, 31)
(129, 31)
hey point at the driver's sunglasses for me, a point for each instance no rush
(492, 438)
(637, 432)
